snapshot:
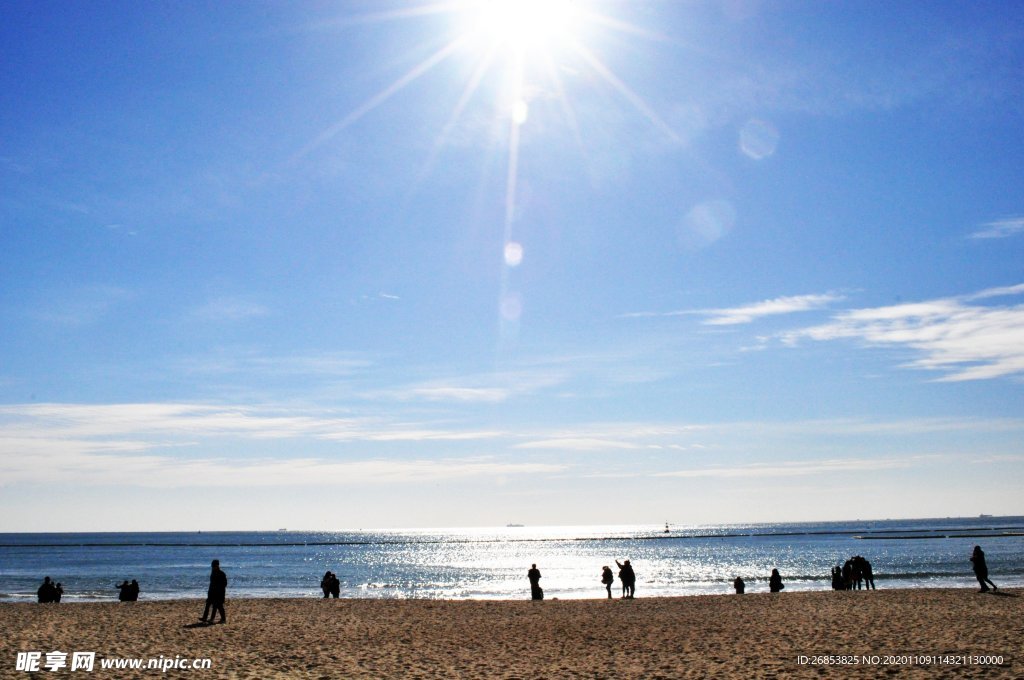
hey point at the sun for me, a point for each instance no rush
(523, 25)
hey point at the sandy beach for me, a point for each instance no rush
(913, 633)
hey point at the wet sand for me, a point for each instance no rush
(749, 636)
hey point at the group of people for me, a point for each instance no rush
(775, 583)
(852, 574)
(50, 591)
(128, 592)
(330, 585)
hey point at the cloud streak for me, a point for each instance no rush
(794, 469)
(1004, 228)
(967, 341)
(744, 314)
(774, 307)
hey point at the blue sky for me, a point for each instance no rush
(391, 264)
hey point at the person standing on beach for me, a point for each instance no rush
(739, 585)
(775, 583)
(47, 592)
(536, 592)
(981, 569)
(607, 578)
(628, 578)
(216, 595)
(325, 584)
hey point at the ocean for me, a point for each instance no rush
(491, 563)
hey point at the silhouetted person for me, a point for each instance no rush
(869, 575)
(124, 591)
(335, 586)
(775, 583)
(607, 578)
(536, 592)
(739, 585)
(981, 569)
(628, 578)
(47, 592)
(325, 584)
(837, 578)
(848, 575)
(216, 595)
(857, 562)
(58, 592)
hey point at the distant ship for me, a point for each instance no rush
(515, 526)
(984, 516)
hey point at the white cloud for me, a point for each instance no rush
(229, 309)
(729, 316)
(795, 469)
(485, 388)
(780, 305)
(969, 342)
(168, 445)
(1004, 228)
(82, 306)
(578, 444)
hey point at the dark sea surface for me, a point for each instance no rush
(491, 563)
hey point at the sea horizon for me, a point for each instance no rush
(491, 562)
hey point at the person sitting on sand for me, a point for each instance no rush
(775, 583)
(216, 594)
(607, 578)
(628, 578)
(981, 569)
(47, 592)
(536, 592)
(739, 585)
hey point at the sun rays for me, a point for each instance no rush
(518, 51)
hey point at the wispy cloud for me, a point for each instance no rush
(968, 341)
(578, 444)
(182, 444)
(82, 306)
(730, 316)
(483, 388)
(229, 309)
(1004, 228)
(780, 305)
(797, 469)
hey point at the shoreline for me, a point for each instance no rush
(753, 635)
(760, 585)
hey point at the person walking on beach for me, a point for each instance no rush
(628, 578)
(607, 578)
(536, 592)
(981, 569)
(216, 594)
(775, 583)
